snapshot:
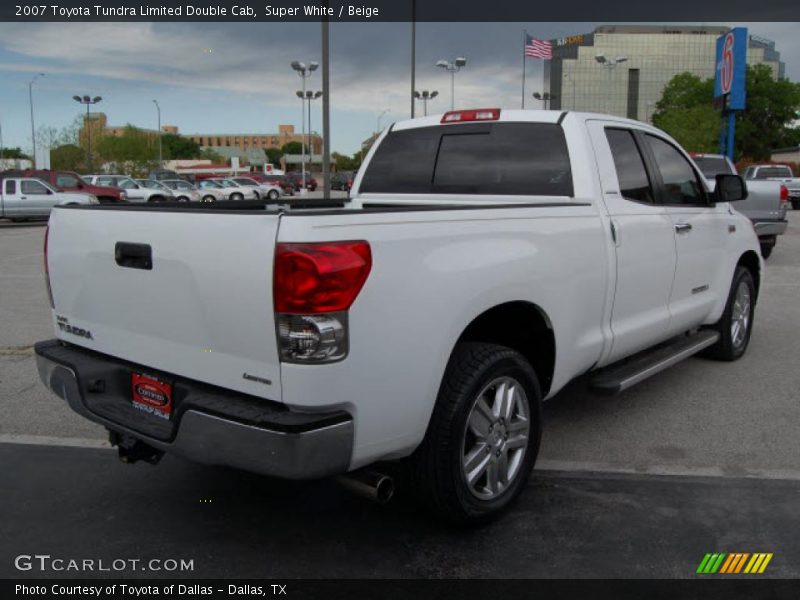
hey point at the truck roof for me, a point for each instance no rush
(517, 115)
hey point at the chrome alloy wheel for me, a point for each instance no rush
(495, 438)
(740, 315)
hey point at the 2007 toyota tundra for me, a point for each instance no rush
(485, 258)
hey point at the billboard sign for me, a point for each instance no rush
(731, 63)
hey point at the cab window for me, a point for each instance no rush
(634, 182)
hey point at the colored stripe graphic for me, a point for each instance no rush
(733, 563)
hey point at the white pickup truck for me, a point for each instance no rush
(31, 198)
(485, 259)
(776, 172)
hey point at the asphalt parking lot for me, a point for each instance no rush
(702, 458)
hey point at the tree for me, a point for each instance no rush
(292, 148)
(13, 153)
(685, 112)
(273, 155)
(213, 156)
(134, 152)
(346, 163)
(68, 157)
(176, 146)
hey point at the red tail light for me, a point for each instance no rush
(47, 268)
(476, 114)
(784, 194)
(319, 277)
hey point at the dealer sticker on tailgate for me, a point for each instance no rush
(151, 395)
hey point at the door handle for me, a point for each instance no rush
(683, 227)
(134, 256)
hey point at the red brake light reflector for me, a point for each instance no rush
(784, 194)
(475, 114)
(319, 277)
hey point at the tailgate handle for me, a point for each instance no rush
(134, 256)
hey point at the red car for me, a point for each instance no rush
(280, 180)
(67, 181)
(296, 178)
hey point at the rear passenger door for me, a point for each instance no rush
(643, 237)
(701, 232)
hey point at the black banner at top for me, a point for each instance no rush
(401, 10)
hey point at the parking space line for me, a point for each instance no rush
(665, 470)
(48, 440)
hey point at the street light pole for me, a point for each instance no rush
(309, 97)
(609, 64)
(88, 102)
(160, 155)
(452, 67)
(30, 99)
(378, 130)
(425, 95)
(304, 71)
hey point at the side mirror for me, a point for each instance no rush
(730, 188)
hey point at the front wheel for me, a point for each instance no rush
(736, 323)
(209, 198)
(237, 197)
(484, 434)
(273, 194)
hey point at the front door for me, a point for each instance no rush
(644, 241)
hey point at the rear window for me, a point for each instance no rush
(712, 166)
(482, 158)
(767, 172)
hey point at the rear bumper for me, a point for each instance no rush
(209, 425)
(765, 227)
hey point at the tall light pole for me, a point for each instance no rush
(30, 98)
(609, 64)
(88, 102)
(425, 95)
(545, 98)
(452, 67)
(160, 155)
(571, 79)
(309, 97)
(380, 117)
(304, 71)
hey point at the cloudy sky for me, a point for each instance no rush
(235, 77)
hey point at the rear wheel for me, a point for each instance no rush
(736, 323)
(484, 434)
(208, 198)
(766, 249)
(237, 196)
(273, 195)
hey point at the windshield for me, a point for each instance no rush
(228, 183)
(711, 166)
(207, 183)
(125, 183)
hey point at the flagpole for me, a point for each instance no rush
(524, 41)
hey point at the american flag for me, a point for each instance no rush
(536, 48)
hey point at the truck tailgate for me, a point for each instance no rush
(202, 310)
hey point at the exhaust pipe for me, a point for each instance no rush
(370, 484)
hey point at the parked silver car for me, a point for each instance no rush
(136, 192)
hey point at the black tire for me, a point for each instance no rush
(182, 199)
(766, 250)
(728, 348)
(258, 195)
(436, 465)
(156, 199)
(209, 198)
(237, 196)
(273, 194)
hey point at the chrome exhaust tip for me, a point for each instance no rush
(378, 487)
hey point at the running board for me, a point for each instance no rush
(628, 374)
